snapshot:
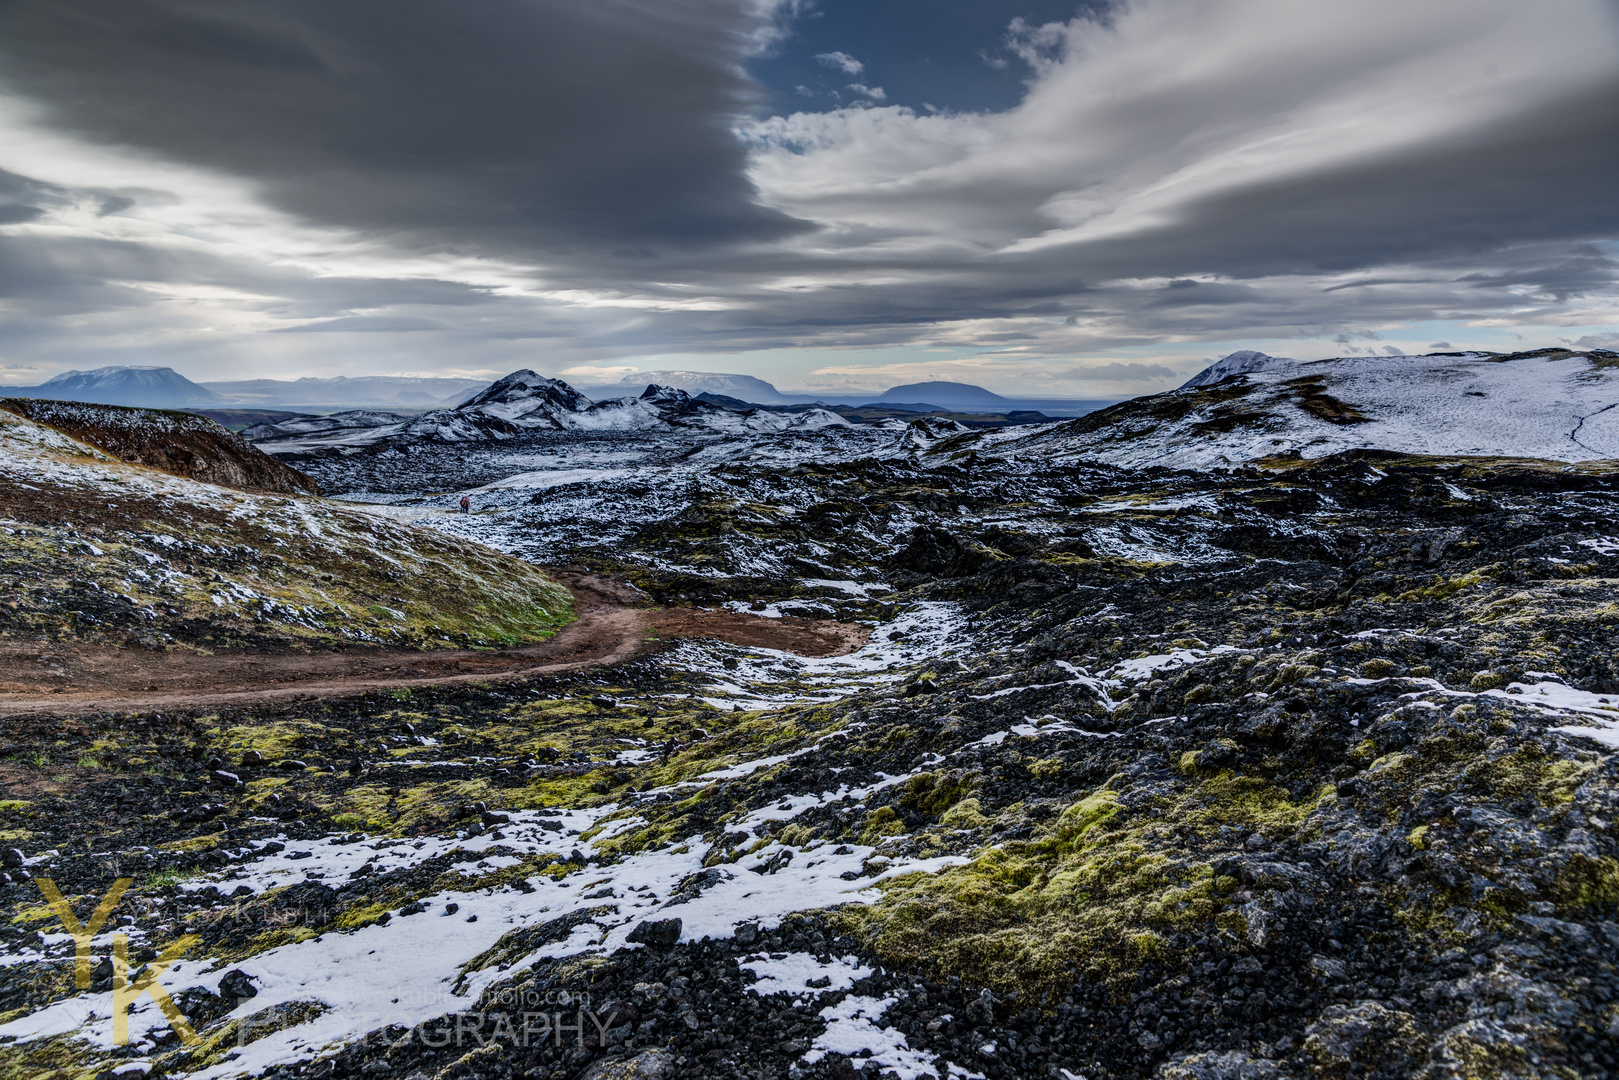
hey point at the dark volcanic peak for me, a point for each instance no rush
(526, 389)
(665, 394)
(150, 387)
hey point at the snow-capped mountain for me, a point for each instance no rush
(525, 397)
(144, 387)
(526, 401)
(1245, 362)
(1552, 404)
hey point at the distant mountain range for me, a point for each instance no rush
(742, 387)
(528, 401)
(400, 391)
(1550, 403)
(161, 387)
(920, 397)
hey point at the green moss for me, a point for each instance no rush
(1445, 588)
(966, 814)
(1199, 693)
(1291, 674)
(356, 917)
(1147, 946)
(1016, 916)
(59, 1058)
(936, 793)
(883, 822)
(1085, 815)
(1192, 761)
(1586, 882)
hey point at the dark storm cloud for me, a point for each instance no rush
(505, 126)
(1546, 176)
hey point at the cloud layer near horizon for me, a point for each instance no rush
(249, 187)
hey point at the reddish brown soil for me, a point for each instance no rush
(613, 625)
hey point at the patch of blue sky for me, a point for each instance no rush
(952, 56)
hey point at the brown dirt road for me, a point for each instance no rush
(614, 624)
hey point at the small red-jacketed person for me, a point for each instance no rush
(466, 504)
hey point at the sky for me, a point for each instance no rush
(1044, 198)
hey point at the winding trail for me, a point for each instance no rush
(613, 624)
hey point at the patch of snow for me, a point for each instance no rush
(852, 1028)
(793, 973)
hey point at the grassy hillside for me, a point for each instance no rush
(92, 548)
(176, 442)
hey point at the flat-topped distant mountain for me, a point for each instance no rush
(955, 396)
(143, 387)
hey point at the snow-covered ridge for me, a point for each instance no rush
(525, 400)
(1245, 362)
(1552, 404)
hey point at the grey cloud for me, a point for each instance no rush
(22, 199)
(365, 324)
(1184, 292)
(1543, 177)
(503, 126)
(1125, 371)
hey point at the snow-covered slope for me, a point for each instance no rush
(526, 397)
(1552, 404)
(146, 387)
(1245, 362)
(176, 442)
(524, 401)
